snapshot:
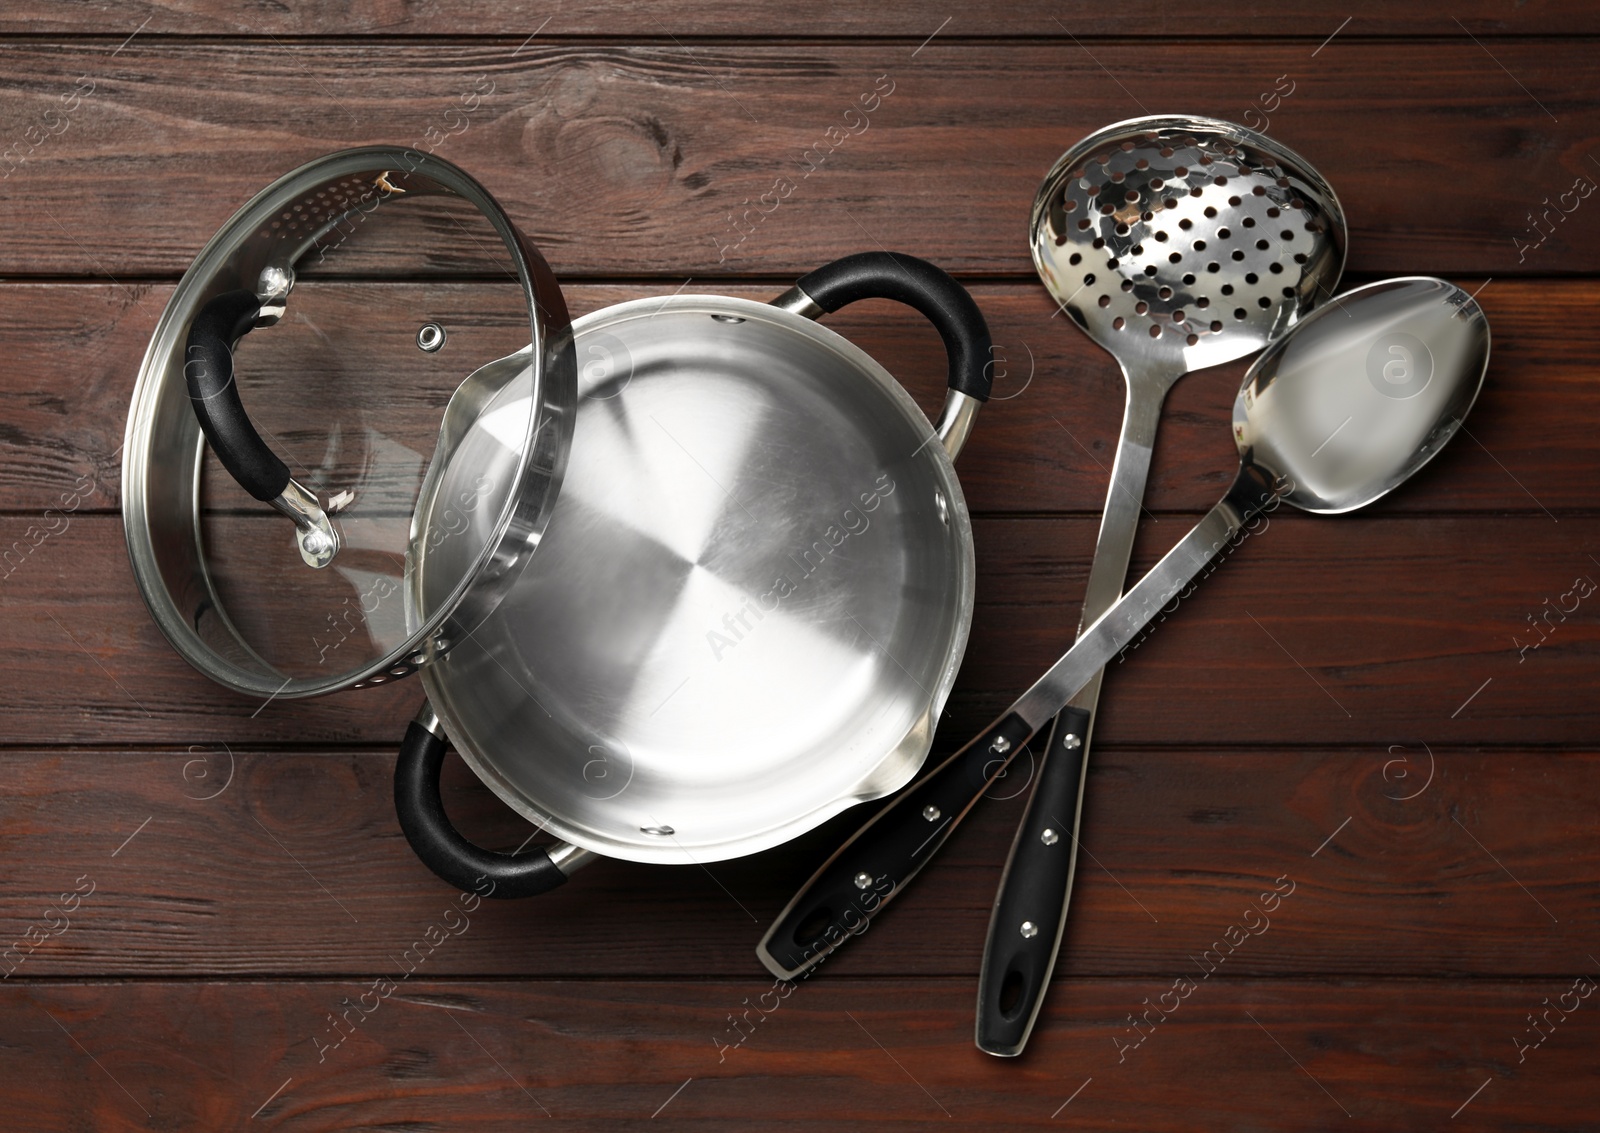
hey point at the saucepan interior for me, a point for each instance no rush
(749, 605)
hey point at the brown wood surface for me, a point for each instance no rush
(835, 1055)
(894, 19)
(290, 862)
(1043, 445)
(195, 884)
(629, 160)
(1362, 629)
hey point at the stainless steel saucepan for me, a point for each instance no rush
(751, 601)
(684, 578)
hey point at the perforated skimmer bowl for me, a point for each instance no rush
(1185, 242)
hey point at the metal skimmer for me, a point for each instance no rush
(1176, 244)
(1185, 242)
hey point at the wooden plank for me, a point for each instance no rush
(900, 19)
(635, 160)
(197, 887)
(1263, 1055)
(214, 859)
(1357, 629)
(1043, 445)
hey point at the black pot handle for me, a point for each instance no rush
(442, 848)
(208, 371)
(916, 283)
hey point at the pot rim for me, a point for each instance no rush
(899, 764)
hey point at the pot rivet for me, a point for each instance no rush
(1071, 742)
(430, 337)
(1000, 746)
(863, 879)
(658, 831)
(1029, 930)
(1049, 837)
(931, 813)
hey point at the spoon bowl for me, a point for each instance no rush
(1337, 413)
(1363, 392)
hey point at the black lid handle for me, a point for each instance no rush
(208, 371)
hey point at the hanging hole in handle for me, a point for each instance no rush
(813, 926)
(1011, 989)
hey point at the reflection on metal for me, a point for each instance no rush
(430, 338)
(314, 534)
(797, 302)
(1175, 242)
(569, 859)
(272, 289)
(1293, 395)
(233, 613)
(956, 420)
(747, 611)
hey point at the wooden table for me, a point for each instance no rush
(200, 889)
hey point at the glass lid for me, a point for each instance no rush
(366, 372)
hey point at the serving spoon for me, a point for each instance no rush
(1334, 415)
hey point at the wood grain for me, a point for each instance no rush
(1358, 629)
(1044, 444)
(901, 19)
(629, 161)
(1406, 861)
(1353, 704)
(843, 1055)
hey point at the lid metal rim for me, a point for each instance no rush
(522, 517)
